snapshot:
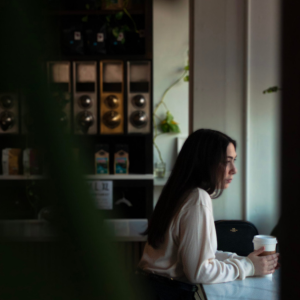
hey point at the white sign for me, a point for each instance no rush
(100, 37)
(102, 191)
(77, 35)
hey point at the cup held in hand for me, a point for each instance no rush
(267, 241)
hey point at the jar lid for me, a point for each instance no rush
(265, 239)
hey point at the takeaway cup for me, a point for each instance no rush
(269, 242)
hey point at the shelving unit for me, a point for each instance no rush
(140, 177)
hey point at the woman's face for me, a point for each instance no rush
(230, 166)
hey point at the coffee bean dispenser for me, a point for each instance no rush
(112, 97)
(59, 81)
(9, 113)
(138, 103)
(85, 97)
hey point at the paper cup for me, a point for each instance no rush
(269, 242)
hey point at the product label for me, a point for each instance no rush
(77, 35)
(100, 37)
(121, 165)
(120, 37)
(102, 165)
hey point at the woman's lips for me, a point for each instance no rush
(228, 180)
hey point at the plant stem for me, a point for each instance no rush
(155, 115)
(129, 15)
(166, 91)
(159, 154)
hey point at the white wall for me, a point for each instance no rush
(263, 114)
(236, 57)
(170, 56)
(170, 43)
(219, 86)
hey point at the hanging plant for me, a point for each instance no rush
(167, 124)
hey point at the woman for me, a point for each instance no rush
(182, 247)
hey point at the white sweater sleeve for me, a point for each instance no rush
(199, 259)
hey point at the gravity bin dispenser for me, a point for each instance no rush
(9, 113)
(85, 97)
(59, 82)
(138, 105)
(112, 97)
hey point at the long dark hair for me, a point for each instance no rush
(201, 163)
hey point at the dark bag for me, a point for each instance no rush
(235, 236)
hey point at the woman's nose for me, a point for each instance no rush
(233, 170)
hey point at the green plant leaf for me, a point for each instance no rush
(122, 41)
(119, 15)
(272, 89)
(174, 128)
(87, 6)
(108, 18)
(169, 117)
(85, 19)
(125, 28)
(165, 127)
(186, 78)
(187, 67)
(116, 31)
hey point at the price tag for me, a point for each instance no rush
(102, 191)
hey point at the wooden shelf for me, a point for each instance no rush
(21, 177)
(100, 57)
(92, 12)
(120, 177)
(91, 177)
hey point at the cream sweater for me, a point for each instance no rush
(189, 252)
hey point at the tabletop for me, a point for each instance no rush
(251, 288)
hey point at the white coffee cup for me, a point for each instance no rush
(267, 241)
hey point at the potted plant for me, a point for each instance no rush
(165, 125)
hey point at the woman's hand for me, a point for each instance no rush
(264, 265)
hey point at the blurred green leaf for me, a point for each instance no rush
(186, 78)
(174, 128)
(169, 117)
(122, 41)
(87, 6)
(119, 15)
(116, 31)
(165, 127)
(272, 89)
(187, 68)
(85, 19)
(125, 28)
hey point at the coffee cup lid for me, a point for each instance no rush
(265, 239)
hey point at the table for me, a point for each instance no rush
(251, 288)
